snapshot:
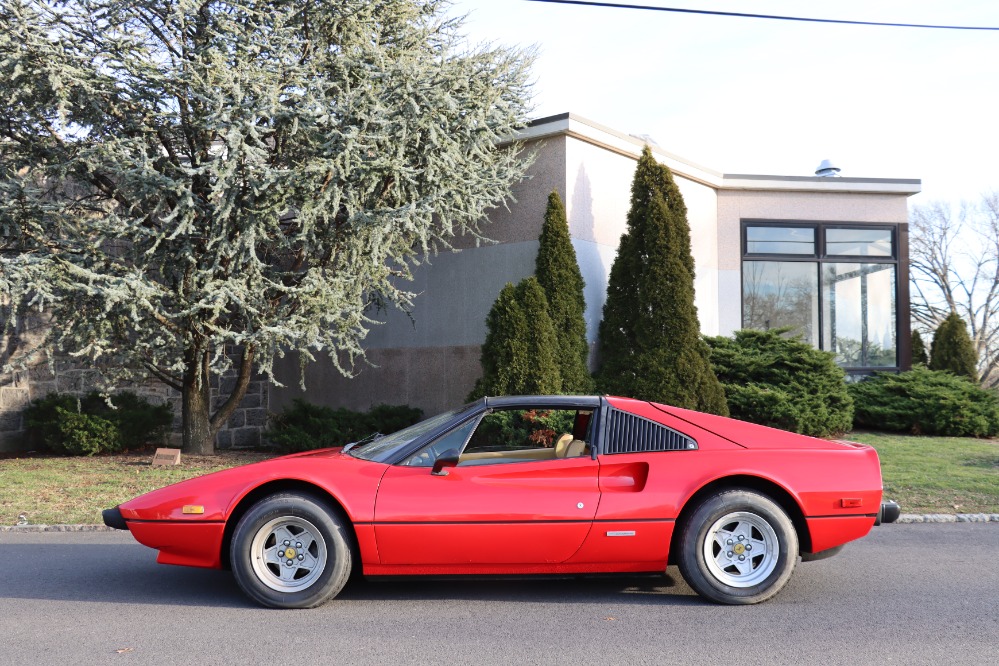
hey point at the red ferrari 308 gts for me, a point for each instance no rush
(526, 485)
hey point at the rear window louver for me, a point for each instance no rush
(627, 433)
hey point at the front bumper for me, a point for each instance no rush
(888, 513)
(113, 518)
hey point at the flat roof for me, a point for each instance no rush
(584, 129)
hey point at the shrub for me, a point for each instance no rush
(304, 426)
(513, 428)
(952, 349)
(138, 420)
(782, 382)
(89, 425)
(41, 420)
(389, 418)
(519, 355)
(926, 402)
(83, 434)
(650, 341)
(559, 276)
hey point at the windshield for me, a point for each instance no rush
(383, 448)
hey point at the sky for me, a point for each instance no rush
(740, 95)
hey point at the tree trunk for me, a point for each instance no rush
(199, 437)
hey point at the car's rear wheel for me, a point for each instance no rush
(738, 547)
(291, 550)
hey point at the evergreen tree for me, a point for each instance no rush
(952, 349)
(918, 350)
(519, 355)
(650, 342)
(189, 187)
(558, 273)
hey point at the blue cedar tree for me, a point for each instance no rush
(191, 187)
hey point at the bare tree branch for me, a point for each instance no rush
(954, 264)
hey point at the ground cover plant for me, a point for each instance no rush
(926, 402)
(781, 382)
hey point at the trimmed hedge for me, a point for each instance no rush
(304, 426)
(781, 382)
(925, 402)
(88, 425)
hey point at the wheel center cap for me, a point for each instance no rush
(739, 549)
(289, 553)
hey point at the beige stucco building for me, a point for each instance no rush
(825, 255)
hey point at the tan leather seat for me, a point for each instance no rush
(562, 445)
(575, 448)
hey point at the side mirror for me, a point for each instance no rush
(447, 459)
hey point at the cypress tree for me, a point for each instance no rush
(558, 274)
(650, 341)
(918, 350)
(519, 354)
(952, 349)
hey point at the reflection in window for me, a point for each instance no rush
(776, 294)
(780, 240)
(859, 242)
(859, 313)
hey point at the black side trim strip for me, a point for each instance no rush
(514, 522)
(181, 522)
(846, 515)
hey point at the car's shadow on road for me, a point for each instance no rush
(639, 590)
(129, 574)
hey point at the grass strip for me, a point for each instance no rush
(938, 474)
(53, 490)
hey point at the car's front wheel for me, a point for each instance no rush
(738, 547)
(291, 550)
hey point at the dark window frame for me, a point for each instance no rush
(899, 258)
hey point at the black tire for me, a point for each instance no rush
(738, 547)
(291, 528)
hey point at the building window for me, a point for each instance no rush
(835, 285)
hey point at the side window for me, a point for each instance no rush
(522, 435)
(455, 439)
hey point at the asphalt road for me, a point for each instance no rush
(907, 594)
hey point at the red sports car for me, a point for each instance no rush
(526, 485)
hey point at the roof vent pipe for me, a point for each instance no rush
(827, 169)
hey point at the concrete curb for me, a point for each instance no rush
(907, 518)
(18, 529)
(949, 518)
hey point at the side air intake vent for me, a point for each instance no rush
(627, 433)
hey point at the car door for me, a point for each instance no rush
(517, 505)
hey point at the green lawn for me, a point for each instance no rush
(938, 474)
(923, 474)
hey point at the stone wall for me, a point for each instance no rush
(17, 389)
